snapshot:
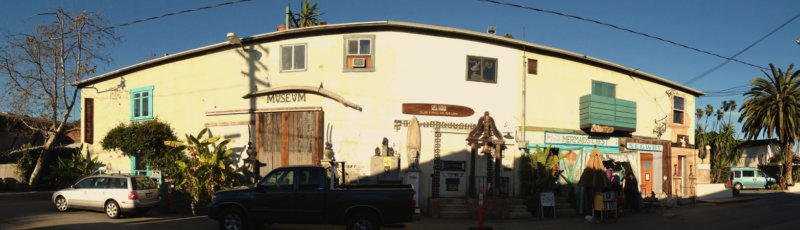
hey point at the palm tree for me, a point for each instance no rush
(732, 107)
(720, 114)
(308, 15)
(699, 114)
(709, 111)
(773, 108)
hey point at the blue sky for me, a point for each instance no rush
(723, 27)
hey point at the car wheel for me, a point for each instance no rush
(61, 204)
(737, 186)
(112, 209)
(363, 221)
(232, 219)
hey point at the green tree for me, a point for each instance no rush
(308, 15)
(70, 169)
(772, 109)
(145, 141)
(41, 65)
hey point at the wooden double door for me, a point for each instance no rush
(289, 138)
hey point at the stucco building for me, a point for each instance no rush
(358, 86)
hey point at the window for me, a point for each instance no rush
(143, 183)
(482, 69)
(88, 120)
(278, 180)
(119, 183)
(85, 183)
(600, 88)
(293, 57)
(359, 52)
(737, 174)
(533, 66)
(677, 110)
(308, 180)
(748, 173)
(142, 104)
(761, 174)
(101, 182)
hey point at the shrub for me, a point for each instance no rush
(70, 169)
(775, 187)
(27, 162)
(536, 174)
(206, 166)
(145, 141)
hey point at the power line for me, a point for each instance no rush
(160, 16)
(623, 29)
(176, 13)
(704, 74)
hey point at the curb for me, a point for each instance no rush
(727, 201)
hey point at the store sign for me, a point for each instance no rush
(453, 165)
(437, 110)
(577, 139)
(648, 147)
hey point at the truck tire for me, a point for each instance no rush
(232, 219)
(737, 186)
(363, 221)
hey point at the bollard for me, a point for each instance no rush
(169, 195)
(480, 208)
(480, 213)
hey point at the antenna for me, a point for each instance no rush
(491, 30)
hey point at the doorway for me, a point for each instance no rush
(646, 173)
(289, 138)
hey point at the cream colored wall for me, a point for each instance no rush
(554, 96)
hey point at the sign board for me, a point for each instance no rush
(648, 147)
(547, 199)
(578, 139)
(437, 110)
(453, 166)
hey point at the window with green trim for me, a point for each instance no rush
(142, 104)
(604, 89)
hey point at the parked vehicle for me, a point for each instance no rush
(311, 195)
(749, 178)
(113, 193)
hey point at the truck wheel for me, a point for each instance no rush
(363, 221)
(232, 219)
(737, 186)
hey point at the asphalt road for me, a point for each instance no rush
(768, 210)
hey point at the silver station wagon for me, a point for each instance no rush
(112, 193)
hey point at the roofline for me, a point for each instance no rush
(392, 26)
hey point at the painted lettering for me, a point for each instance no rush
(286, 98)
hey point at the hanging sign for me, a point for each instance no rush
(437, 110)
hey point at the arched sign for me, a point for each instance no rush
(437, 110)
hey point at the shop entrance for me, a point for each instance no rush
(647, 173)
(289, 138)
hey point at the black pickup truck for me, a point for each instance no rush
(310, 195)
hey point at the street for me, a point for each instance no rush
(755, 209)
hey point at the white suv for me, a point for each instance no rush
(112, 193)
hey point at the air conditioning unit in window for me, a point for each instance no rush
(359, 62)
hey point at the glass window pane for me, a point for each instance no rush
(136, 106)
(597, 88)
(677, 117)
(85, 183)
(489, 70)
(146, 107)
(678, 103)
(611, 90)
(474, 68)
(364, 46)
(308, 180)
(145, 94)
(300, 57)
(352, 46)
(748, 173)
(101, 182)
(286, 58)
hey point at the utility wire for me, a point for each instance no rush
(623, 29)
(161, 16)
(704, 74)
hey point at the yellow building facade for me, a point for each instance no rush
(290, 92)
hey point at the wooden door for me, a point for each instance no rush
(289, 138)
(646, 178)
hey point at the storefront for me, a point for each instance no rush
(651, 163)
